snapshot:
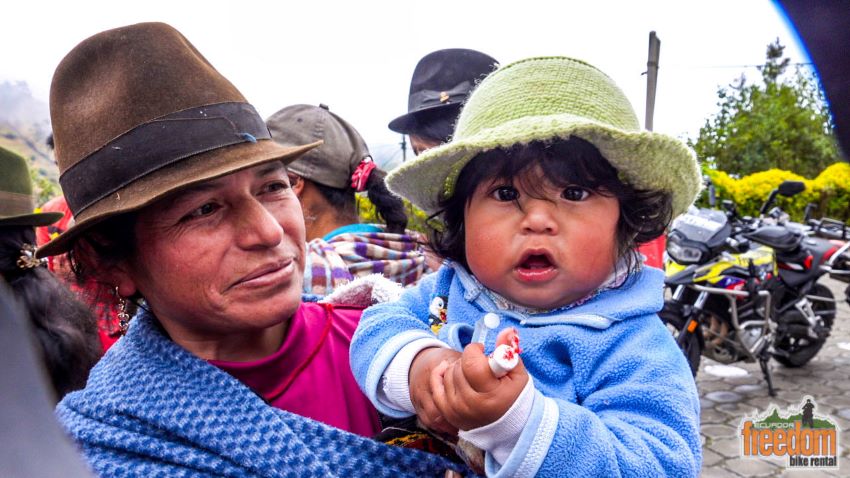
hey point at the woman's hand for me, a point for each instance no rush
(468, 395)
(419, 379)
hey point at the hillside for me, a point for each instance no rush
(24, 128)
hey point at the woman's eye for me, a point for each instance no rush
(276, 187)
(505, 193)
(575, 193)
(202, 211)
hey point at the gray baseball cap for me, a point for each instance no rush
(332, 163)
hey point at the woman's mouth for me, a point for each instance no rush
(269, 274)
(536, 267)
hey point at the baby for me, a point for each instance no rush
(545, 190)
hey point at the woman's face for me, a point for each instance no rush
(420, 144)
(221, 258)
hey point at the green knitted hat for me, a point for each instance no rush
(548, 98)
(16, 201)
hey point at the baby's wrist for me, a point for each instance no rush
(395, 389)
(428, 358)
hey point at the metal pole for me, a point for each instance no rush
(651, 78)
(403, 148)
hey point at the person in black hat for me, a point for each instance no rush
(441, 82)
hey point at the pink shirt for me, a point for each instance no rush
(310, 374)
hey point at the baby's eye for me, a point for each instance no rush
(505, 193)
(575, 193)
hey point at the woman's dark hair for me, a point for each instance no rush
(644, 215)
(65, 329)
(389, 207)
(105, 245)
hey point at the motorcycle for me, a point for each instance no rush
(745, 289)
(838, 233)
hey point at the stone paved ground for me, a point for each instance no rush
(726, 400)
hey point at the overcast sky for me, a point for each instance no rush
(358, 56)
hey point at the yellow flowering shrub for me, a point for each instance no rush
(830, 191)
(834, 186)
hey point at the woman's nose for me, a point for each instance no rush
(539, 217)
(257, 226)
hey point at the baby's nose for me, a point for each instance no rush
(539, 217)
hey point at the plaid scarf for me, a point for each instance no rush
(337, 261)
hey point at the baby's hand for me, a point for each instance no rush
(467, 393)
(419, 382)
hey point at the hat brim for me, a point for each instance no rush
(407, 124)
(646, 160)
(34, 219)
(155, 186)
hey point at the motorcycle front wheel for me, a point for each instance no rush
(692, 342)
(798, 351)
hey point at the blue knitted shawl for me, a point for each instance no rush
(153, 409)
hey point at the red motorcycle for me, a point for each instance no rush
(838, 233)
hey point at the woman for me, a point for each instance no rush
(181, 199)
(326, 180)
(64, 328)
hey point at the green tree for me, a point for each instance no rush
(781, 123)
(44, 188)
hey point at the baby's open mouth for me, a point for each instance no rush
(536, 267)
(536, 261)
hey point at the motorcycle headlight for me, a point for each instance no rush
(682, 252)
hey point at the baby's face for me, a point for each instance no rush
(540, 252)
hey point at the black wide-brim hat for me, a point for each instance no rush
(138, 113)
(442, 80)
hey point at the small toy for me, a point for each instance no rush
(506, 355)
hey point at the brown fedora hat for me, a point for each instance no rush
(139, 113)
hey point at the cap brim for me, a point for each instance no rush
(647, 160)
(155, 186)
(407, 124)
(34, 219)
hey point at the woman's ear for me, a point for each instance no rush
(123, 280)
(296, 182)
(115, 275)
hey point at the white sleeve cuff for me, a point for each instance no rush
(395, 392)
(500, 437)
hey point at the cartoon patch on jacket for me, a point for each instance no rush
(437, 313)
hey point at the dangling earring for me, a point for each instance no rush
(123, 316)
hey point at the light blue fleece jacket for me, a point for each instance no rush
(614, 395)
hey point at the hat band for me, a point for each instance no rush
(156, 144)
(15, 204)
(427, 98)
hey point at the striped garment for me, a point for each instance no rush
(334, 262)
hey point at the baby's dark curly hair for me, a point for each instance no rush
(644, 215)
